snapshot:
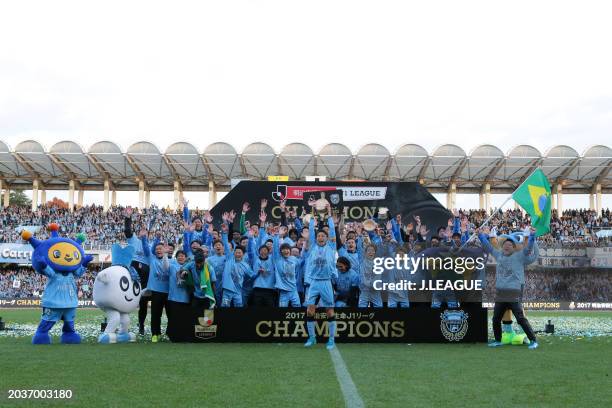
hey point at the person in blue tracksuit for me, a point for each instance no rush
(286, 267)
(178, 296)
(159, 266)
(234, 272)
(264, 294)
(216, 263)
(141, 264)
(510, 282)
(346, 283)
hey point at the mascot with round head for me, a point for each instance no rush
(117, 292)
(61, 260)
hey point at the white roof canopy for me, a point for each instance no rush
(194, 166)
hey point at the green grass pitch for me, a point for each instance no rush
(566, 371)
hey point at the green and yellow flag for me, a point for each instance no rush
(205, 284)
(535, 198)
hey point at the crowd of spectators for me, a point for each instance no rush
(561, 285)
(587, 285)
(102, 228)
(572, 228)
(21, 282)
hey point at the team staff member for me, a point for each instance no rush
(509, 283)
(141, 264)
(178, 296)
(158, 282)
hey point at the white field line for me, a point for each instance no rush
(349, 391)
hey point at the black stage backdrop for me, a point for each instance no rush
(361, 200)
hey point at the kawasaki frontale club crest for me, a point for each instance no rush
(454, 324)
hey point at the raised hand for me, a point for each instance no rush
(142, 233)
(231, 216)
(262, 216)
(128, 212)
(207, 217)
(224, 228)
(389, 226)
(264, 203)
(246, 207)
(424, 231)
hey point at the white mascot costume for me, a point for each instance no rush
(117, 292)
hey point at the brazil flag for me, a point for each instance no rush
(534, 196)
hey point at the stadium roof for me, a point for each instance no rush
(220, 162)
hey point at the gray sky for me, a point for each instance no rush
(393, 72)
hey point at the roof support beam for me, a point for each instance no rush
(69, 174)
(103, 173)
(424, 167)
(568, 170)
(134, 166)
(33, 173)
(497, 166)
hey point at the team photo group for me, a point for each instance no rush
(311, 258)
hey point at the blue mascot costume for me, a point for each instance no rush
(60, 260)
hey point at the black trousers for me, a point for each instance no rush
(159, 301)
(517, 311)
(174, 311)
(200, 303)
(143, 273)
(264, 297)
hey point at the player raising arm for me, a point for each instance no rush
(510, 281)
(320, 269)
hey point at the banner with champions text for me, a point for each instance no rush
(354, 325)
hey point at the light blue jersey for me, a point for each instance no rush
(158, 269)
(61, 290)
(234, 272)
(176, 292)
(321, 260)
(216, 265)
(139, 255)
(344, 282)
(195, 276)
(286, 268)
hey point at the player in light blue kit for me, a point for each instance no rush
(320, 269)
(234, 272)
(286, 267)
